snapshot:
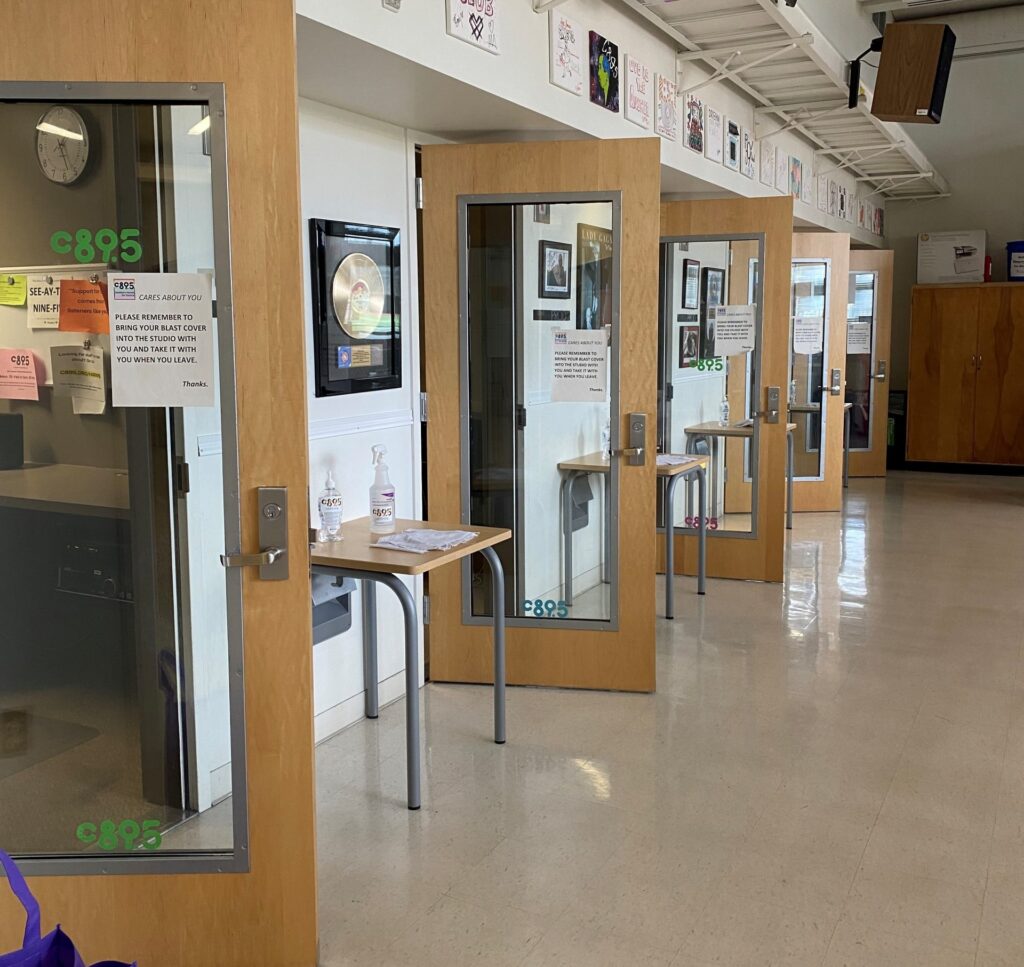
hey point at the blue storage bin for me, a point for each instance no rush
(1015, 261)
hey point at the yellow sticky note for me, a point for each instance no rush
(13, 290)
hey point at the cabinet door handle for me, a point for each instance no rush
(979, 360)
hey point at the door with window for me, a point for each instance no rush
(868, 334)
(724, 328)
(540, 338)
(816, 397)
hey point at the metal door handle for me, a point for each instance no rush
(264, 558)
(628, 452)
(882, 370)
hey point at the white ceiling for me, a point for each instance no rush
(946, 8)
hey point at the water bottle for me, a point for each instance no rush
(330, 512)
(723, 413)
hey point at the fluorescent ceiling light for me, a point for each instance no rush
(48, 128)
(203, 124)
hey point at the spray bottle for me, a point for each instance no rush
(382, 495)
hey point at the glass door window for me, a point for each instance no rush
(121, 730)
(540, 387)
(860, 356)
(710, 372)
(809, 313)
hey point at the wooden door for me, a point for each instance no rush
(758, 558)
(941, 373)
(826, 493)
(267, 916)
(540, 653)
(870, 461)
(999, 396)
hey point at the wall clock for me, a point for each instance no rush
(62, 144)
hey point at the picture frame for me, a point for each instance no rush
(689, 346)
(733, 145)
(691, 284)
(355, 282)
(554, 269)
(542, 213)
(604, 72)
(594, 276)
(712, 291)
(693, 132)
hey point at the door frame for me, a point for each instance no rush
(761, 558)
(589, 654)
(872, 462)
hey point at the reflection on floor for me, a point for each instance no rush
(831, 772)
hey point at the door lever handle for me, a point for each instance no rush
(263, 559)
(628, 452)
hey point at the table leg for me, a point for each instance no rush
(498, 586)
(670, 546)
(567, 537)
(789, 480)
(713, 502)
(368, 589)
(690, 448)
(606, 479)
(702, 529)
(846, 448)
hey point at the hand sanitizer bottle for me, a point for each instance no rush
(330, 512)
(382, 496)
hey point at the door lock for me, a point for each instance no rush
(835, 386)
(636, 438)
(881, 374)
(773, 396)
(272, 559)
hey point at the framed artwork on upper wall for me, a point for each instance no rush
(733, 145)
(823, 194)
(604, 72)
(566, 49)
(639, 92)
(593, 276)
(796, 177)
(666, 110)
(555, 265)
(691, 284)
(749, 166)
(781, 171)
(689, 346)
(542, 213)
(355, 279)
(807, 193)
(713, 125)
(475, 23)
(712, 296)
(768, 164)
(693, 130)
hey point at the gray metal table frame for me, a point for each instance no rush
(847, 410)
(671, 482)
(368, 581)
(713, 446)
(565, 498)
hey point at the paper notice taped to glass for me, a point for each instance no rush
(858, 338)
(161, 339)
(808, 335)
(579, 366)
(78, 372)
(734, 329)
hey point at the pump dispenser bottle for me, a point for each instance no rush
(330, 511)
(382, 495)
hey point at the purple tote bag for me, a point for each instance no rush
(56, 948)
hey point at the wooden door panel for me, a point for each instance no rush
(580, 658)
(872, 463)
(941, 374)
(999, 395)
(827, 494)
(759, 559)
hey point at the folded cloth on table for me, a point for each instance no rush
(673, 459)
(422, 541)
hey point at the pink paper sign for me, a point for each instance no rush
(18, 379)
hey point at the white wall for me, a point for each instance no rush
(356, 169)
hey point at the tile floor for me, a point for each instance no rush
(831, 773)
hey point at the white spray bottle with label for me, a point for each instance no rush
(382, 495)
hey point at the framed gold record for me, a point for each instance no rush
(356, 286)
(357, 294)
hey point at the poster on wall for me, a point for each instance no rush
(555, 266)
(161, 339)
(691, 284)
(639, 92)
(807, 193)
(79, 374)
(713, 135)
(833, 198)
(579, 366)
(767, 164)
(879, 223)
(689, 346)
(796, 177)
(566, 49)
(733, 145)
(475, 22)
(734, 329)
(749, 154)
(604, 72)
(843, 203)
(823, 194)
(19, 379)
(712, 296)
(43, 301)
(781, 171)
(693, 132)
(666, 114)
(593, 277)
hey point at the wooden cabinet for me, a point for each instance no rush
(965, 400)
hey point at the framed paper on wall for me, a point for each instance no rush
(593, 277)
(691, 284)
(555, 264)
(639, 92)
(604, 72)
(689, 346)
(712, 296)
(713, 143)
(475, 23)
(733, 146)
(542, 213)
(693, 133)
(566, 49)
(768, 164)
(666, 113)
(355, 280)
(796, 177)
(749, 154)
